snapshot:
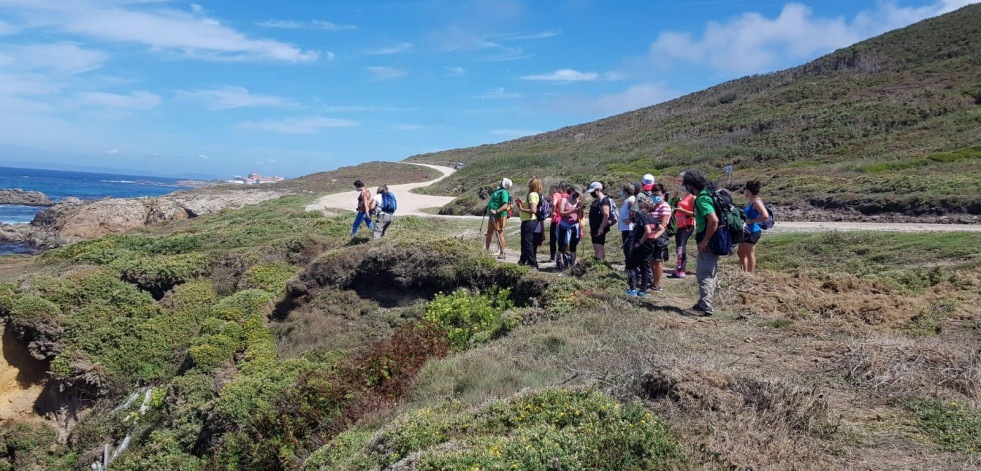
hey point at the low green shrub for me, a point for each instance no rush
(547, 430)
(952, 426)
(469, 318)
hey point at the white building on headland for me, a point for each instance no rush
(255, 179)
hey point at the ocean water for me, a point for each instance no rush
(58, 185)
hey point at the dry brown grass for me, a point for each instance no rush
(910, 368)
(735, 421)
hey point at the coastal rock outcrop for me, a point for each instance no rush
(24, 198)
(73, 220)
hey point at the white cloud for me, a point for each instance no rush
(752, 43)
(454, 71)
(564, 75)
(454, 39)
(203, 157)
(192, 35)
(634, 97)
(315, 24)
(512, 132)
(328, 26)
(356, 108)
(539, 35)
(60, 58)
(112, 151)
(396, 49)
(499, 94)
(330, 56)
(314, 125)
(409, 127)
(195, 8)
(225, 98)
(139, 100)
(386, 73)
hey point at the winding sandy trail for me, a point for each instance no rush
(412, 204)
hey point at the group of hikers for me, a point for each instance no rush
(380, 207)
(647, 218)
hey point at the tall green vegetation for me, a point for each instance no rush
(886, 125)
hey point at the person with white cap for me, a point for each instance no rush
(601, 216)
(647, 182)
(498, 208)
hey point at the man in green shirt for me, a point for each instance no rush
(497, 215)
(706, 223)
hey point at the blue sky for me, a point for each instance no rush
(221, 87)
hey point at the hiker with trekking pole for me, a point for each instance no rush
(498, 208)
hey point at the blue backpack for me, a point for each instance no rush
(389, 203)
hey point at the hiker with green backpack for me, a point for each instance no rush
(498, 208)
(706, 226)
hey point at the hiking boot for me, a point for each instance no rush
(696, 312)
(631, 292)
(677, 274)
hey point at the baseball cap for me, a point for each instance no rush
(647, 181)
(594, 186)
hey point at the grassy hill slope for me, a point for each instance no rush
(890, 124)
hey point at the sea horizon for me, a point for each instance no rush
(60, 184)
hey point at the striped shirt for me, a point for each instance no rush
(661, 211)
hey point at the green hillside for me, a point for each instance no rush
(891, 124)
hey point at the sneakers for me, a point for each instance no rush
(655, 288)
(677, 274)
(631, 292)
(501, 256)
(642, 294)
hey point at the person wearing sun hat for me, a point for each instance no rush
(497, 214)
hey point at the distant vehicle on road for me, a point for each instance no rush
(458, 166)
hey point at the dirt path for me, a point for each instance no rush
(410, 204)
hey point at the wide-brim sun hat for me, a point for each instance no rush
(506, 183)
(593, 187)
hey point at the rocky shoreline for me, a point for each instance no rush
(16, 196)
(73, 220)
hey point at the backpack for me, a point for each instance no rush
(612, 220)
(389, 203)
(672, 228)
(544, 210)
(732, 219)
(768, 222)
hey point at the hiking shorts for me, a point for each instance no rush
(495, 224)
(660, 254)
(753, 237)
(599, 239)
